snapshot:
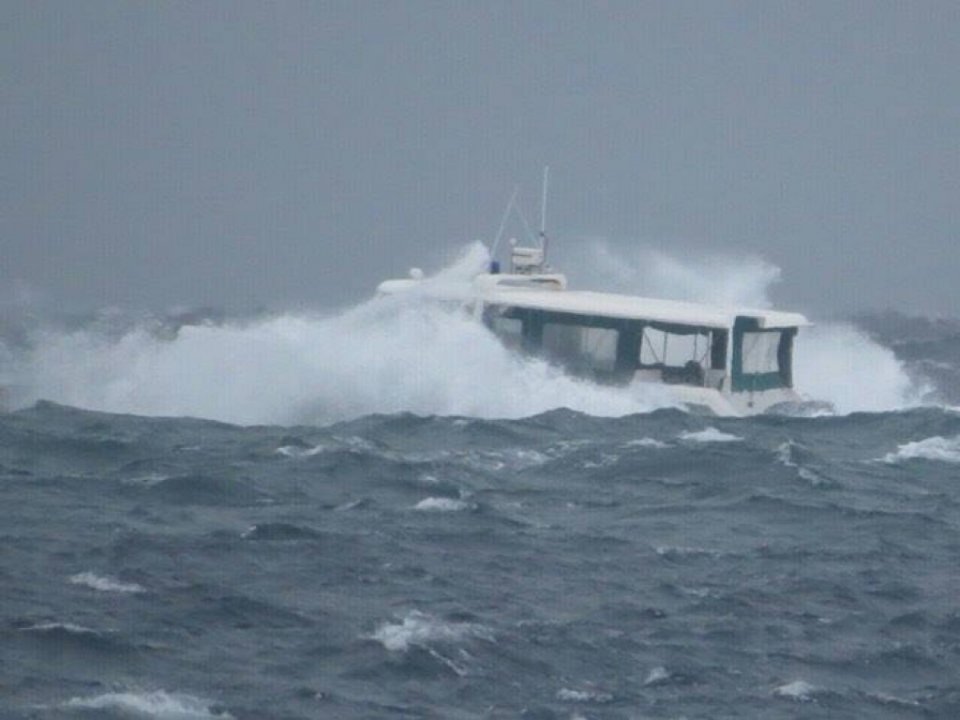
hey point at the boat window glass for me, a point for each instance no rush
(509, 330)
(760, 352)
(581, 348)
(674, 350)
(600, 346)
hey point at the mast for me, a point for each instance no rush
(543, 211)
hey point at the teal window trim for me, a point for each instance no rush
(757, 382)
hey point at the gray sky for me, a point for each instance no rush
(250, 154)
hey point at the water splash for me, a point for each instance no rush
(157, 704)
(937, 448)
(841, 364)
(645, 271)
(420, 629)
(397, 354)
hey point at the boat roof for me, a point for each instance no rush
(630, 307)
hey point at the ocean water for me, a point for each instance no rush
(655, 565)
(379, 513)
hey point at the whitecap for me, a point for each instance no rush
(105, 584)
(295, 451)
(886, 699)
(157, 704)
(646, 442)
(785, 453)
(419, 629)
(674, 551)
(657, 676)
(936, 448)
(798, 690)
(710, 434)
(583, 696)
(441, 504)
(69, 628)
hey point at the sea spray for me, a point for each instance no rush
(841, 364)
(648, 272)
(400, 354)
(833, 362)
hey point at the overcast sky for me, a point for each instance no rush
(287, 154)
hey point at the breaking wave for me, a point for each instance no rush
(395, 354)
(939, 449)
(158, 704)
(104, 584)
(420, 629)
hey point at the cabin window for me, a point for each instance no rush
(760, 352)
(508, 329)
(659, 347)
(680, 354)
(762, 359)
(580, 348)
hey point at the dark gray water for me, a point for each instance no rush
(561, 566)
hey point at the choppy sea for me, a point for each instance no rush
(250, 521)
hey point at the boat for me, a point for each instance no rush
(728, 361)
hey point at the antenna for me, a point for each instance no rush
(543, 210)
(503, 221)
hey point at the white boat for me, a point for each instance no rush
(728, 361)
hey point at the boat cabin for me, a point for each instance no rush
(621, 339)
(728, 361)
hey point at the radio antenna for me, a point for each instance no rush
(543, 210)
(503, 220)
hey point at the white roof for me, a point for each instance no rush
(638, 308)
(547, 292)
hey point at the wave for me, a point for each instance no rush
(841, 364)
(442, 504)
(420, 629)
(62, 630)
(571, 695)
(397, 354)
(157, 704)
(105, 584)
(935, 448)
(798, 690)
(708, 435)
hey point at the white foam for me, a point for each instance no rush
(683, 551)
(785, 458)
(105, 584)
(936, 448)
(799, 690)
(644, 270)
(69, 628)
(838, 363)
(398, 354)
(657, 676)
(583, 696)
(887, 699)
(419, 629)
(834, 362)
(441, 504)
(710, 434)
(157, 704)
(646, 442)
(387, 355)
(292, 451)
